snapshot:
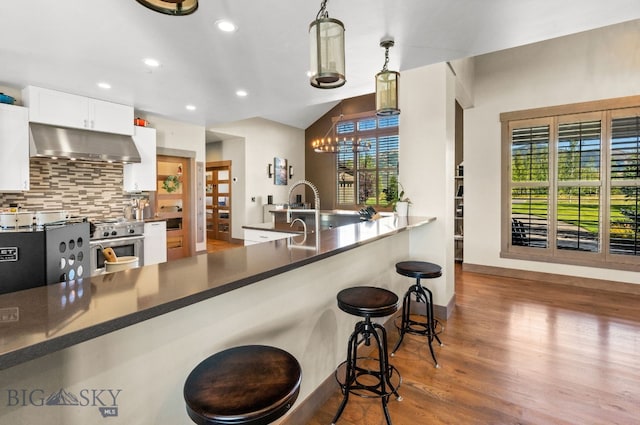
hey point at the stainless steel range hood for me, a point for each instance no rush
(59, 142)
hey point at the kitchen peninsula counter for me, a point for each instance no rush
(40, 321)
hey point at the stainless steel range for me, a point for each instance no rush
(33, 256)
(125, 237)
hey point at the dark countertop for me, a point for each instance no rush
(36, 322)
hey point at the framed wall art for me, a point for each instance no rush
(280, 171)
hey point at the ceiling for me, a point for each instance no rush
(74, 44)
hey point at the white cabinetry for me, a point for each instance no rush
(155, 242)
(70, 110)
(142, 176)
(253, 236)
(14, 148)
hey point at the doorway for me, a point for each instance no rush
(173, 203)
(218, 200)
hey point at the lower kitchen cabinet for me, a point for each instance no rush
(155, 242)
(253, 236)
(14, 145)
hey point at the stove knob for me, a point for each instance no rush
(105, 234)
(132, 230)
(114, 233)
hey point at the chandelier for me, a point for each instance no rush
(332, 143)
(326, 42)
(171, 7)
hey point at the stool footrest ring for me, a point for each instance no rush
(360, 385)
(419, 327)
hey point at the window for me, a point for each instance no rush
(368, 177)
(572, 188)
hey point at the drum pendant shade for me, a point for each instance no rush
(326, 47)
(387, 86)
(387, 93)
(171, 7)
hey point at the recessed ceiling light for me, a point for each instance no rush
(190, 107)
(241, 93)
(153, 63)
(104, 85)
(226, 26)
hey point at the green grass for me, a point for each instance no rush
(586, 216)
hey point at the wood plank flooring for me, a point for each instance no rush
(214, 245)
(516, 352)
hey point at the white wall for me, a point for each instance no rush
(264, 140)
(179, 135)
(234, 150)
(214, 151)
(599, 64)
(427, 102)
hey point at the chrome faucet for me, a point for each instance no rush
(304, 225)
(316, 205)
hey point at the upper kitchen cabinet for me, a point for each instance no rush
(142, 176)
(70, 110)
(14, 145)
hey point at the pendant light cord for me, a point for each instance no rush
(322, 13)
(386, 59)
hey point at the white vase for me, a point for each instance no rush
(402, 209)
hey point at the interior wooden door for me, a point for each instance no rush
(219, 200)
(173, 200)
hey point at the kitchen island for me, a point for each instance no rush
(139, 332)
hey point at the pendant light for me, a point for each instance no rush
(171, 7)
(387, 85)
(326, 42)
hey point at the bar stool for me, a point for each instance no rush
(246, 385)
(368, 376)
(430, 327)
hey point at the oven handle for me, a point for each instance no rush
(110, 242)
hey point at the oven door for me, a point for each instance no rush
(127, 246)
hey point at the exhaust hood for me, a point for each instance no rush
(86, 145)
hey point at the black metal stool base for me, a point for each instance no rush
(368, 380)
(430, 327)
(379, 379)
(368, 377)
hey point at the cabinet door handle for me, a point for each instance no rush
(86, 124)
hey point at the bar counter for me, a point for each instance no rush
(117, 348)
(40, 321)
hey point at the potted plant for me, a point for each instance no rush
(400, 203)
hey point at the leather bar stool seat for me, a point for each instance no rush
(427, 325)
(367, 376)
(246, 385)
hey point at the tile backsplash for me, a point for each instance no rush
(83, 188)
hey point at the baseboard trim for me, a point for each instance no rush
(582, 282)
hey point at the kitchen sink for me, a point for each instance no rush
(328, 219)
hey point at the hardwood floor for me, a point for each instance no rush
(516, 352)
(214, 245)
